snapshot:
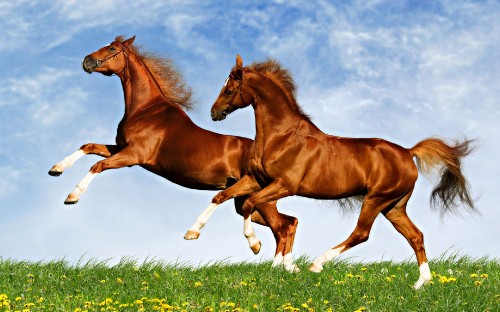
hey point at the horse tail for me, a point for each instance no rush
(453, 187)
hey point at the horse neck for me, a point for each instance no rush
(140, 88)
(274, 111)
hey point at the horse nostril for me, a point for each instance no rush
(89, 64)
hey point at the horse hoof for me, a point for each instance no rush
(316, 268)
(190, 235)
(292, 268)
(71, 199)
(256, 248)
(56, 170)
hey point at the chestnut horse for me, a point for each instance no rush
(291, 156)
(156, 134)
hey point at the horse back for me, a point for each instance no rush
(341, 167)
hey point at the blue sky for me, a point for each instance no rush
(401, 70)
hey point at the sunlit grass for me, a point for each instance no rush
(459, 284)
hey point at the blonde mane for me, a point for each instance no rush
(168, 78)
(272, 69)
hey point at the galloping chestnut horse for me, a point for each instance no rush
(158, 135)
(291, 156)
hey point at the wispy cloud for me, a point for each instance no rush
(48, 95)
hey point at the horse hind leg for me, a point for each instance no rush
(91, 148)
(400, 220)
(369, 211)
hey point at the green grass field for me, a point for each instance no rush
(459, 284)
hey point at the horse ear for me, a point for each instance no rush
(239, 61)
(239, 68)
(129, 41)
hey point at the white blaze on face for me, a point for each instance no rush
(226, 82)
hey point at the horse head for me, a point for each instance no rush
(108, 60)
(235, 94)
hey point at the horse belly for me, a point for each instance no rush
(327, 183)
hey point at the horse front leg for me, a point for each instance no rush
(246, 185)
(274, 191)
(125, 158)
(91, 148)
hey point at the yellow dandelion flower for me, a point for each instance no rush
(103, 281)
(304, 305)
(364, 269)
(484, 275)
(17, 298)
(119, 280)
(243, 283)
(360, 309)
(139, 302)
(40, 300)
(478, 283)
(350, 275)
(474, 275)
(255, 306)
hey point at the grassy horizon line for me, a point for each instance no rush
(459, 283)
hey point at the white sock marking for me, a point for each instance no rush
(249, 232)
(425, 275)
(288, 263)
(327, 256)
(83, 185)
(278, 259)
(203, 218)
(69, 161)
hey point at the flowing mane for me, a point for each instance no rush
(168, 78)
(272, 69)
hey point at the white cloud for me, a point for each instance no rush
(48, 96)
(361, 71)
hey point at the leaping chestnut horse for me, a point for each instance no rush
(291, 156)
(156, 134)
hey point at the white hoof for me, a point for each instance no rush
(191, 235)
(316, 267)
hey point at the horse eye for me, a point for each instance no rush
(228, 92)
(112, 48)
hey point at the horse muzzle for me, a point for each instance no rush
(221, 113)
(89, 64)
